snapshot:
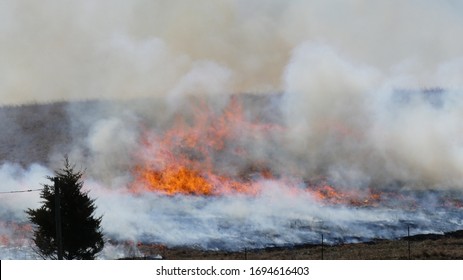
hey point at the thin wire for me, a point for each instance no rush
(23, 191)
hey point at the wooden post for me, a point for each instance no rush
(408, 241)
(59, 241)
(322, 246)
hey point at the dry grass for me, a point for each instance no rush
(30, 133)
(423, 247)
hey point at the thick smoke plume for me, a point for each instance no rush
(64, 50)
(364, 94)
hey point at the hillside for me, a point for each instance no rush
(30, 133)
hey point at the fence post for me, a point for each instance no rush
(322, 246)
(408, 241)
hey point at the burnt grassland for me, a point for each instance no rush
(447, 246)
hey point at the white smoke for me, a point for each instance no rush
(18, 192)
(275, 217)
(325, 105)
(15, 178)
(66, 50)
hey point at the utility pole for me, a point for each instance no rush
(59, 240)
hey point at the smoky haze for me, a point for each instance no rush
(364, 93)
(65, 50)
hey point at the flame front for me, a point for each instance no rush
(176, 181)
(182, 161)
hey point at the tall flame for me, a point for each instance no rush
(182, 160)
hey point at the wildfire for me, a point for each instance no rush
(183, 160)
(329, 195)
(185, 181)
(173, 181)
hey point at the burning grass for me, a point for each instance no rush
(199, 180)
(185, 160)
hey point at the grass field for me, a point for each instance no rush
(420, 247)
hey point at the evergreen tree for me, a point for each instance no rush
(81, 236)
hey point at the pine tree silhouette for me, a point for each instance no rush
(81, 233)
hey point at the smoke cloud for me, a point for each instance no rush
(65, 50)
(364, 93)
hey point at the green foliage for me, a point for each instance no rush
(82, 237)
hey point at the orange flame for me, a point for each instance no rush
(182, 160)
(182, 180)
(330, 195)
(172, 181)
